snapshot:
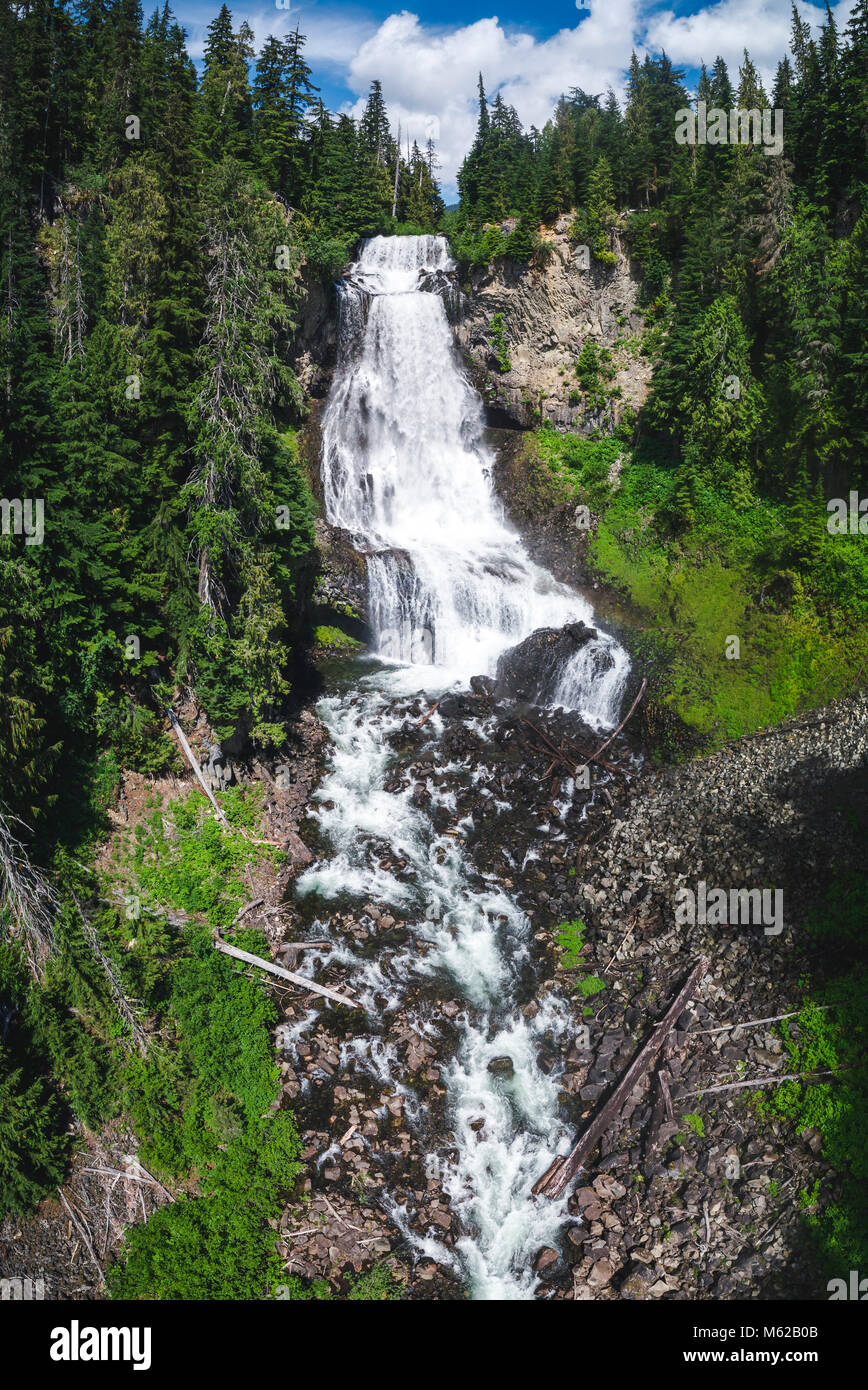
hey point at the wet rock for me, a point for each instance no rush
(546, 1262)
(483, 685)
(531, 670)
(457, 707)
(502, 1066)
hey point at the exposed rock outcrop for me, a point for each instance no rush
(550, 310)
(530, 670)
(342, 584)
(314, 346)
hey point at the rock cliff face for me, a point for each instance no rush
(314, 347)
(549, 313)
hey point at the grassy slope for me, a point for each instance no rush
(803, 637)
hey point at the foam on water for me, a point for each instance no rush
(407, 473)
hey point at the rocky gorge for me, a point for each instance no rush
(500, 899)
(685, 1198)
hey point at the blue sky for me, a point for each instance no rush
(427, 55)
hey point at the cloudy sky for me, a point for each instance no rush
(427, 56)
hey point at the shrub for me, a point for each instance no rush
(34, 1147)
(375, 1286)
(497, 330)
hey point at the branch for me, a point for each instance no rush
(26, 894)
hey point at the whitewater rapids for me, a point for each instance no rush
(406, 471)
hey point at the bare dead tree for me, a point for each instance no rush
(27, 899)
(124, 1007)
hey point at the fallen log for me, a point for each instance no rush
(285, 974)
(759, 1081)
(305, 945)
(193, 761)
(426, 717)
(754, 1022)
(554, 1181)
(257, 902)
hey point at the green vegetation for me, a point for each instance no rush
(594, 370)
(376, 1286)
(593, 223)
(831, 1035)
(334, 637)
(571, 941)
(217, 1245)
(497, 330)
(153, 266)
(33, 1146)
(184, 858)
(753, 292)
(591, 985)
(151, 280)
(570, 938)
(802, 636)
(204, 1100)
(57, 1057)
(583, 468)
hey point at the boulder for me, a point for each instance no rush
(546, 1262)
(501, 1066)
(531, 670)
(601, 1273)
(482, 685)
(296, 850)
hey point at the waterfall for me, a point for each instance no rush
(407, 472)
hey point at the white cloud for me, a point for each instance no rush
(334, 32)
(430, 72)
(730, 26)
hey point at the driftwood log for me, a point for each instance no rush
(554, 1181)
(286, 974)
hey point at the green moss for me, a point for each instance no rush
(803, 639)
(334, 637)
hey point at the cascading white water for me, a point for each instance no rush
(407, 472)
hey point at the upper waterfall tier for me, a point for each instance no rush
(406, 469)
